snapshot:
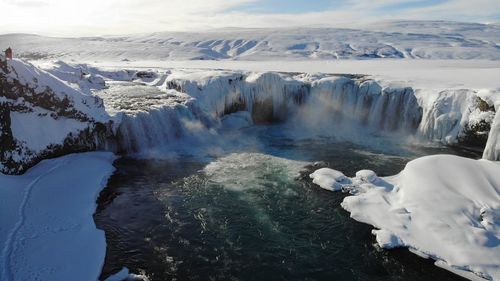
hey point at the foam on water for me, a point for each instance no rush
(244, 216)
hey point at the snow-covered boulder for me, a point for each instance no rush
(42, 116)
(445, 207)
(329, 179)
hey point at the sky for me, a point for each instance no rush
(106, 17)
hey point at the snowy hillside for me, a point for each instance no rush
(407, 39)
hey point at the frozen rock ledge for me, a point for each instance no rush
(444, 207)
(47, 231)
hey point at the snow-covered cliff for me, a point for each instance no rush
(42, 116)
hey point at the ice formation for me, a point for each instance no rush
(322, 104)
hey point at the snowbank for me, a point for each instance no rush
(47, 231)
(445, 207)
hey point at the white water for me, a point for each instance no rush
(183, 109)
(308, 104)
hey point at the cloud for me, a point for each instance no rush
(97, 17)
(28, 3)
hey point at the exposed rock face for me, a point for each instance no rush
(475, 132)
(457, 117)
(67, 120)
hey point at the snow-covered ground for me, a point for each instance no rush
(444, 207)
(47, 230)
(399, 39)
(419, 73)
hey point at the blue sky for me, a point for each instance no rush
(290, 7)
(305, 6)
(97, 17)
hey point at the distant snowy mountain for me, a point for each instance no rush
(401, 39)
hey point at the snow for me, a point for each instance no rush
(442, 206)
(35, 77)
(47, 231)
(329, 179)
(40, 131)
(398, 39)
(427, 74)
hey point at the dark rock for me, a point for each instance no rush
(476, 135)
(15, 157)
(309, 169)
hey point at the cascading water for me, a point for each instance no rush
(162, 127)
(343, 103)
(329, 103)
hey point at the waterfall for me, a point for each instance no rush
(346, 106)
(164, 128)
(268, 96)
(302, 101)
(343, 105)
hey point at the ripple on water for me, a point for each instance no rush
(244, 217)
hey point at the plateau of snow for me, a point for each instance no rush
(47, 230)
(444, 207)
(397, 39)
